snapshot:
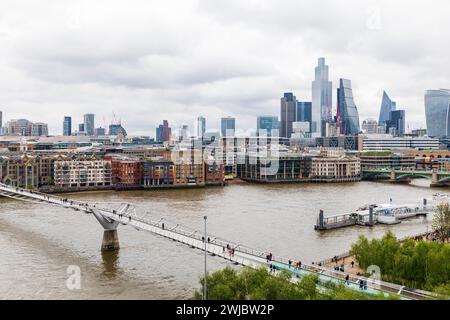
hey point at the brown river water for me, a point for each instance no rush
(39, 242)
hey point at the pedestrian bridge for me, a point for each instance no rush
(238, 254)
(438, 178)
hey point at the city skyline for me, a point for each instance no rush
(178, 79)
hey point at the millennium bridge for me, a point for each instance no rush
(438, 178)
(111, 219)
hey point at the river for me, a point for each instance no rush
(39, 242)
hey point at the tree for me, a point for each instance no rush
(441, 222)
(259, 284)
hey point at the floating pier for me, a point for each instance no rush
(373, 214)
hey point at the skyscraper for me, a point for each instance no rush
(304, 112)
(201, 126)
(288, 112)
(1, 123)
(228, 126)
(437, 112)
(347, 113)
(114, 130)
(321, 99)
(67, 126)
(387, 105)
(267, 123)
(163, 132)
(89, 123)
(397, 122)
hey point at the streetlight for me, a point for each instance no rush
(204, 284)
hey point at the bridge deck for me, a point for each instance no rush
(241, 254)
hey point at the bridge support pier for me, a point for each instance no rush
(110, 240)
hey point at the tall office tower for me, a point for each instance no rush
(287, 114)
(437, 112)
(115, 129)
(1, 123)
(201, 126)
(397, 122)
(267, 123)
(89, 123)
(67, 126)
(228, 126)
(163, 132)
(39, 129)
(304, 112)
(387, 105)
(321, 100)
(81, 128)
(347, 113)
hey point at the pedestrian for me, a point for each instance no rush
(163, 226)
(361, 284)
(290, 263)
(209, 239)
(347, 278)
(353, 264)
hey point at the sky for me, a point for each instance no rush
(144, 61)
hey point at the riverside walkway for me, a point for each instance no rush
(239, 254)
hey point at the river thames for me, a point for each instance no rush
(39, 242)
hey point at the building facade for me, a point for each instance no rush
(89, 124)
(347, 112)
(387, 143)
(228, 126)
(39, 129)
(288, 108)
(387, 106)
(163, 132)
(67, 126)
(437, 112)
(335, 169)
(265, 124)
(201, 126)
(322, 99)
(82, 173)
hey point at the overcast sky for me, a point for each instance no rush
(153, 60)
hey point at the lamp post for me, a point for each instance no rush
(204, 284)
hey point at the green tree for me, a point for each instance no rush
(441, 222)
(259, 284)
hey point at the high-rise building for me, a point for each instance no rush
(267, 123)
(228, 126)
(288, 112)
(201, 126)
(437, 112)
(163, 132)
(67, 126)
(21, 127)
(39, 129)
(387, 105)
(89, 123)
(1, 123)
(321, 100)
(347, 112)
(397, 122)
(81, 128)
(304, 112)
(114, 130)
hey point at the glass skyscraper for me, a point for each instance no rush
(67, 126)
(347, 113)
(387, 105)
(89, 123)
(321, 100)
(201, 126)
(397, 121)
(304, 112)
(228, 126)
(437, 107)
(287, 114)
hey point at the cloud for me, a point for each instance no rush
(152, 60)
